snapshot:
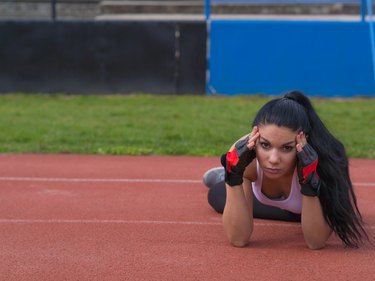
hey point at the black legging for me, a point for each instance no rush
(217, 197)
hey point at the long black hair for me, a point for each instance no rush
(337, 198)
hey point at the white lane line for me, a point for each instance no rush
(88, 221)
(124, 180)
(156, 222)
(86, 180)
(197, 223)
(363, 183)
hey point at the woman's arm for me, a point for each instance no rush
(315, 229)
(238, 214)
(238, 211)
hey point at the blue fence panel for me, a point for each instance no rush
(271, 57)
(321, 58)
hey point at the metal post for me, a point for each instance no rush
(363, 10)
(372, 35)
(177, 58)
(207, 9)
(208, 45)
(53, 10)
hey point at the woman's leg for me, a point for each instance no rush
(217, 196)
(213, 176)
(262, 211)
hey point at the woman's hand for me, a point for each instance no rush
(306, 166)
(239, 157)
(301, 141)
(253, 138)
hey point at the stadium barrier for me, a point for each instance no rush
(320, 56)
(166, 57)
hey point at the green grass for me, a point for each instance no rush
(158, 125)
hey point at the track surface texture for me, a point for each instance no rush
(74, 217)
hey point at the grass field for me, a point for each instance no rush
(159, 125)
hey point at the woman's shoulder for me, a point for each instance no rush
(251, 171)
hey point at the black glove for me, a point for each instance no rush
(236, 161)
(307, 174)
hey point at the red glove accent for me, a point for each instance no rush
(310, 169)
(232, 159)
(307, 174)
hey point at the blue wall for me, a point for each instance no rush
(321, 58)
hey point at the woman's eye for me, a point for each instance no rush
(265, 145)
(288, 148)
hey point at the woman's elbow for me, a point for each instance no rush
(315, 245)
(316, 241)
(239, 243)
(239, 239)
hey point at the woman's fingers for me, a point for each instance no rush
(300, 141)
(253, 137)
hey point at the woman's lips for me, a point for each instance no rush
(273, 170)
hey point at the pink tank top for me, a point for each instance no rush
(293, 203)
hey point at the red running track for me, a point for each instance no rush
(67, 217)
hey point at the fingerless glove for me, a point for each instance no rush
(306, 167)
(236, 161)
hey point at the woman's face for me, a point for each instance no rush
(276, 150)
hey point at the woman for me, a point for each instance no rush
(289, 168)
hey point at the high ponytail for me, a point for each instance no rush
(337, 196)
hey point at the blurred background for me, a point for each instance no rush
(230, 47)
(179, 9)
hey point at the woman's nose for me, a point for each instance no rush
(274, 157)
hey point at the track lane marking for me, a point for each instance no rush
(158, 222)
(124, 180)
(87, 180)
(114, 221)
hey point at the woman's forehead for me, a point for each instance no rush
(278, 134)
